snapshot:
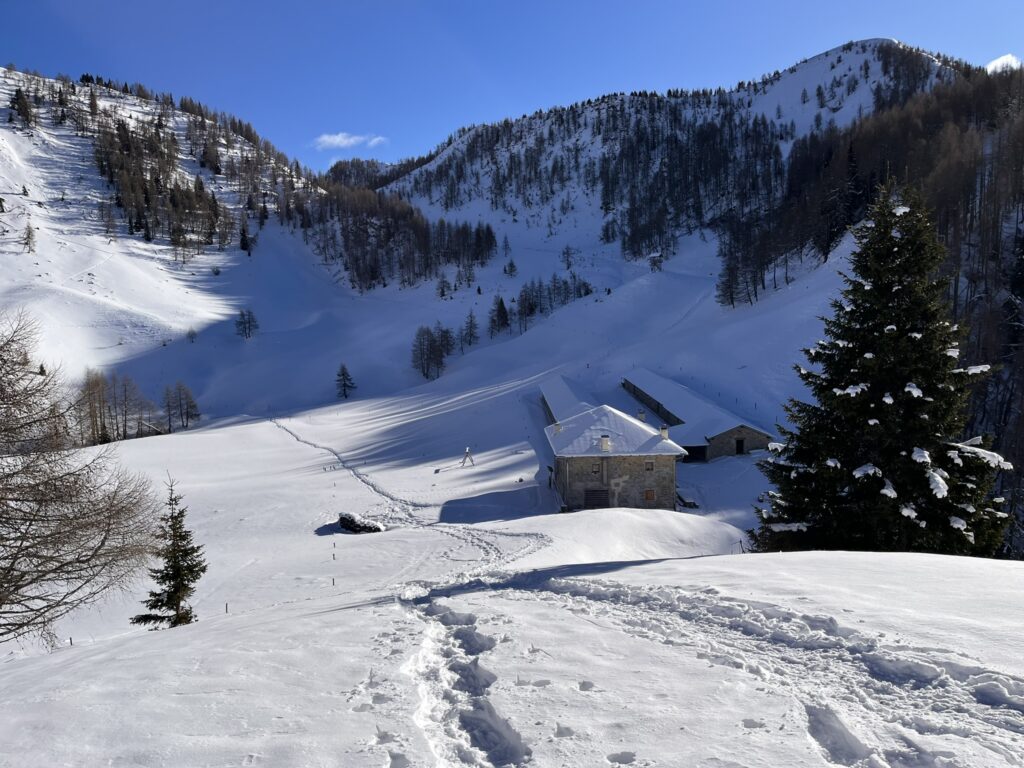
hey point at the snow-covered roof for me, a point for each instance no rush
(701, 418)
(562, 398)
(581, 435)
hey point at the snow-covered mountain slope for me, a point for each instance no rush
(636, 169)
(116, 302)
(481, 628)
(120, 303)
(98, 299)
(1006, 61)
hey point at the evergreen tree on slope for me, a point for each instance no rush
(877, 462)
(183, 566)
(344, 382)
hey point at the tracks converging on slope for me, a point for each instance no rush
(399, 511)
(455, 715)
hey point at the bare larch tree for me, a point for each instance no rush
(73, 525)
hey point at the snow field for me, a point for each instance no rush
(480, 628)
(753, 683)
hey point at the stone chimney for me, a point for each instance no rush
(664, 432)
(641, 415)
(606, 444)
(558, 427)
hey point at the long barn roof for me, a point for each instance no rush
(701, 418)
(563, 399)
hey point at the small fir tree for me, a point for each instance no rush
(183, 566)
(498, 318)
(470, 334)
(344, 382)
(243, 236)
(877, 460)
(443, 286)
(20, 103)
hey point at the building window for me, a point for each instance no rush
(648, 466)
(650, 495)
(595, 469)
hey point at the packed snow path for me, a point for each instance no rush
(455, 714)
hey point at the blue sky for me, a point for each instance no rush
(392, 78)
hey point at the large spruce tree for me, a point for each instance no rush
(183, 566)
(878, 461)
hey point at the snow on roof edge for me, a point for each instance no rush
(581, 435)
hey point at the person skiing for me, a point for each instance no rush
(467, 457)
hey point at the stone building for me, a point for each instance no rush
(604, 458)
(706, 430)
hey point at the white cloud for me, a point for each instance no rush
(344, 140)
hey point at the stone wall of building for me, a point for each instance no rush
(624, 477)
(725, 443)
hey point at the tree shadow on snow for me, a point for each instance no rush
(539, 578)
(498, 505)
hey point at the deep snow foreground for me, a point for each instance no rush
(595, 638)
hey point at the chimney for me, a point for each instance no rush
(664, 432)
(606, 444)
(558, 427)
(641, 415)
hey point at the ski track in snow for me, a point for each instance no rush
(454, 714)
(399, 511)
(868, 703)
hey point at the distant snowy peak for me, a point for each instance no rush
(1007, 61)
(639, 168)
